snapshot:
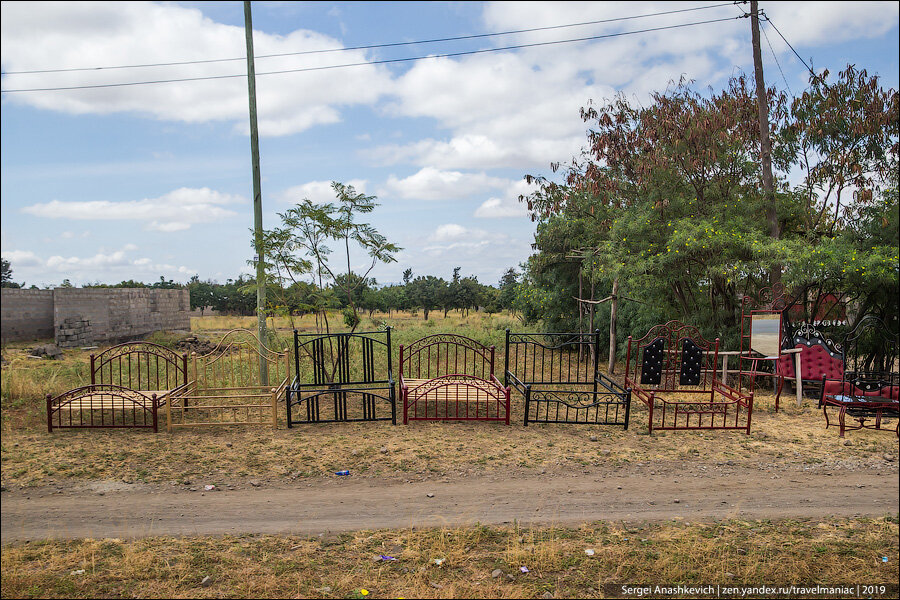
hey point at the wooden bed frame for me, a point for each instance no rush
(448, 377)
(129, 383)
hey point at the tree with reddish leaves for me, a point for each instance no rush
(667, 198)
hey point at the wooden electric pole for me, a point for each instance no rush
(765, 145)
(257, 202)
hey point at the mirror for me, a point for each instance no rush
(765, 333)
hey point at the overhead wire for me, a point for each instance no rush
(775, 56)
(378, 46)
(376, 62)
(797, 54)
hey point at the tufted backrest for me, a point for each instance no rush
(671, 357)
(818, 356)
(816, 361)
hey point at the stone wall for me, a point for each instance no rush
(25, 314)
(114, 314)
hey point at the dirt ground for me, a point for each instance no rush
(649, 491)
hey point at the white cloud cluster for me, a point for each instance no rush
(433, 184)
(175, 211)
(821, 23)
(319, 192)
(509, 109)
(105, 266)
(89, 34)
(507, 205)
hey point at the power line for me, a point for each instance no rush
(377, 46)
(808, 68)
(775, 56)
(375, 62)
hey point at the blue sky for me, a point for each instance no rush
(144, 181)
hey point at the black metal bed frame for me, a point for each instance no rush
(869, 388)
(344, 370)
(558, 375)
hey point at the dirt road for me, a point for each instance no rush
(632, 493)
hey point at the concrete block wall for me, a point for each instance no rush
(120, 314)
(114, 314)
(25, 314)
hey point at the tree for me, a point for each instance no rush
(301, 247)
(6, 275)
(508, 286)
(163, 284)
(201, 293)
(428, 293)
(845, 136)
(666, 203)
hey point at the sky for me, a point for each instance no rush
(105, 184)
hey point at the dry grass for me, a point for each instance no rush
(734, 552)
(458, 562)
(791, 438)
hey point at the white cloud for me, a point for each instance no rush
(433, 184)
(508, 205)
(176, 211)
(106, 265)
(89, 34)
(450, 231)
(21, 258)
(319, 192)
(822, 23)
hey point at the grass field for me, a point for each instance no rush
(832, 551)
(460, 562)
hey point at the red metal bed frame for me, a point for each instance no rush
(448, 377)
(130, 382)
(674, 359)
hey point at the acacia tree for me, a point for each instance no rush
(666, 197)
(302, 246)
(845, 136)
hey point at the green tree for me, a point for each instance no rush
(428, 293)
(302, 245)
(6, 275)
(201, 293)
(666, 202)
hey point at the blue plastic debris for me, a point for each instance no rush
(345, 472)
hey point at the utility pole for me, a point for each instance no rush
(765, 145)
(257, 203)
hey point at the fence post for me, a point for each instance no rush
(492, 360)
(527, 402)
(506, 361)
(392, 392)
